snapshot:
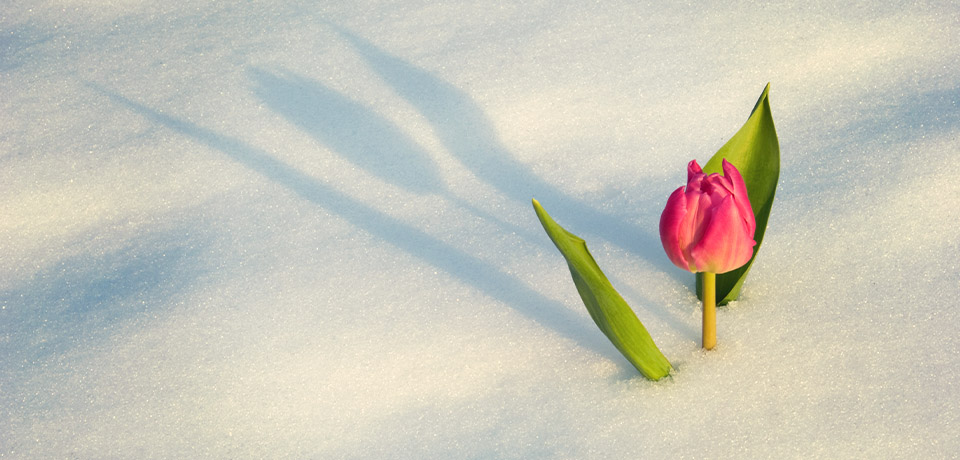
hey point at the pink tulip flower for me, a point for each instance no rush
(709, 226)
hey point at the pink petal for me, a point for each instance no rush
(717, 186)
(694, 173)
(693, 168)
(698, 213)
(672, 236)
(691, 229)
(725, 244)
(740, 193)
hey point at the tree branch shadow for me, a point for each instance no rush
(86, 298)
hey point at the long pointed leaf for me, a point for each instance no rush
(607, 308)
(755, 151)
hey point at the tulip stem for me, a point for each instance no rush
(709, 310)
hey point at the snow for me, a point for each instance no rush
(295, 230)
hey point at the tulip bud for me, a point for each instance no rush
(709, 226)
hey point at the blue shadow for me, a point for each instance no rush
(464, 267)
(85, 298)
(364, 138)
(470, 137)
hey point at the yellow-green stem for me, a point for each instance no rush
(709, 310)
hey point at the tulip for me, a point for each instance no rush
(708, 227)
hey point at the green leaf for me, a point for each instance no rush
(755, 151)
(606, 306)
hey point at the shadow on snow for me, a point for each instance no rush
(470, 270)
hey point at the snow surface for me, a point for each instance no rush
(303, 230)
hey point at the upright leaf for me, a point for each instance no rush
(755, 151)
(607, 308)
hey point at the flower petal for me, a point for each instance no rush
(693, 170)
(740, 193)
(673, 236)
(725, 244)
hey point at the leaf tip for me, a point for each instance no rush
(764, 98)
(538, 209)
